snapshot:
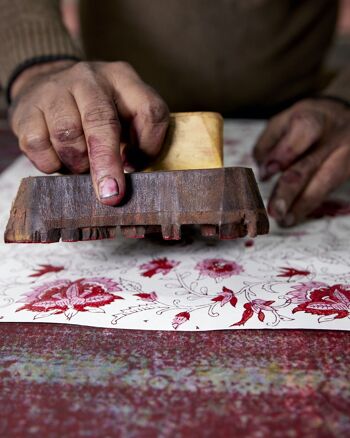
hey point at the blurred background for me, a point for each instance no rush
(338, 56)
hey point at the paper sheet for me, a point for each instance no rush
(294, 278)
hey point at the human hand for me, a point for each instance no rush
(79, 116)
(309, 144)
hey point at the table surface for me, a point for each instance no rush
(73, 381)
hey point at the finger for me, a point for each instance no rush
(34, 141)
(273, 132)
(334, 172)
(305, 129)
(293, 181)
(143, 107)
(66, 133)
(102, 134)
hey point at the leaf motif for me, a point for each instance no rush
(285, 318)
(261, 316)
(46, 314)
(193, 285)
(130, 286)
(341, 297)
(172, 285)
(94, 309)
(326, 318)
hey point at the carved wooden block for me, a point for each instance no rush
(225, 202)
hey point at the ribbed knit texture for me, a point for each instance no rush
(31, 29)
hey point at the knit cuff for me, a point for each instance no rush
(31, 62)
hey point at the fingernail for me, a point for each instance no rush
(108, 187)
(280, 207)
(288, 220)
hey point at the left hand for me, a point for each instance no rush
(309, 144)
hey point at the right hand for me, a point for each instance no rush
(79, 115)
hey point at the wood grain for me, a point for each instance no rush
(193, 141)
(225, 202)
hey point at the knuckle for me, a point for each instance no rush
(82, 68)
(155, 110)
(102, 114)
(66, 132)
(123, 67)
(34, 142)
(307, 119)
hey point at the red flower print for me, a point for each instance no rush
(44, 269)
(226, 296)
(331, 302)
(158, 266)
(70, 297)
(221, 268)
(255, 306)
(300, 292)
(147, 297)
(291, 272)
(180, 318)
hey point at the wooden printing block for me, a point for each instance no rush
(225, 202)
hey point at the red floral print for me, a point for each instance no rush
(292, 272)
(300, 292)
(255, 306)
(331, 302)
(70, 297)
(45, 269)
(219, 268)
(226, 296)
(158, 266)
(147, 297)
(180, 318)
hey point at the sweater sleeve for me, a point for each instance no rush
(31, 31)
(339, 87)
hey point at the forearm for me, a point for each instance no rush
(31, 31)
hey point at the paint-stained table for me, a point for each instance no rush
(71, 381)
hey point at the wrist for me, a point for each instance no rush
(31, 68)
(36, 70)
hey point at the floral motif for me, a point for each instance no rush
(300, 291)
(226, 296)
(292, 272)
(219, 268)
(158, 266)
(45, 269)
(70, 297)
(256, 306)
(147, 297)
(179, 319)
(331, 302)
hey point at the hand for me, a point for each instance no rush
(80, 115)
(310, 144)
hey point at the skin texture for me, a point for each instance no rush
(74, 117)
(309, 146)
(78, 116)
